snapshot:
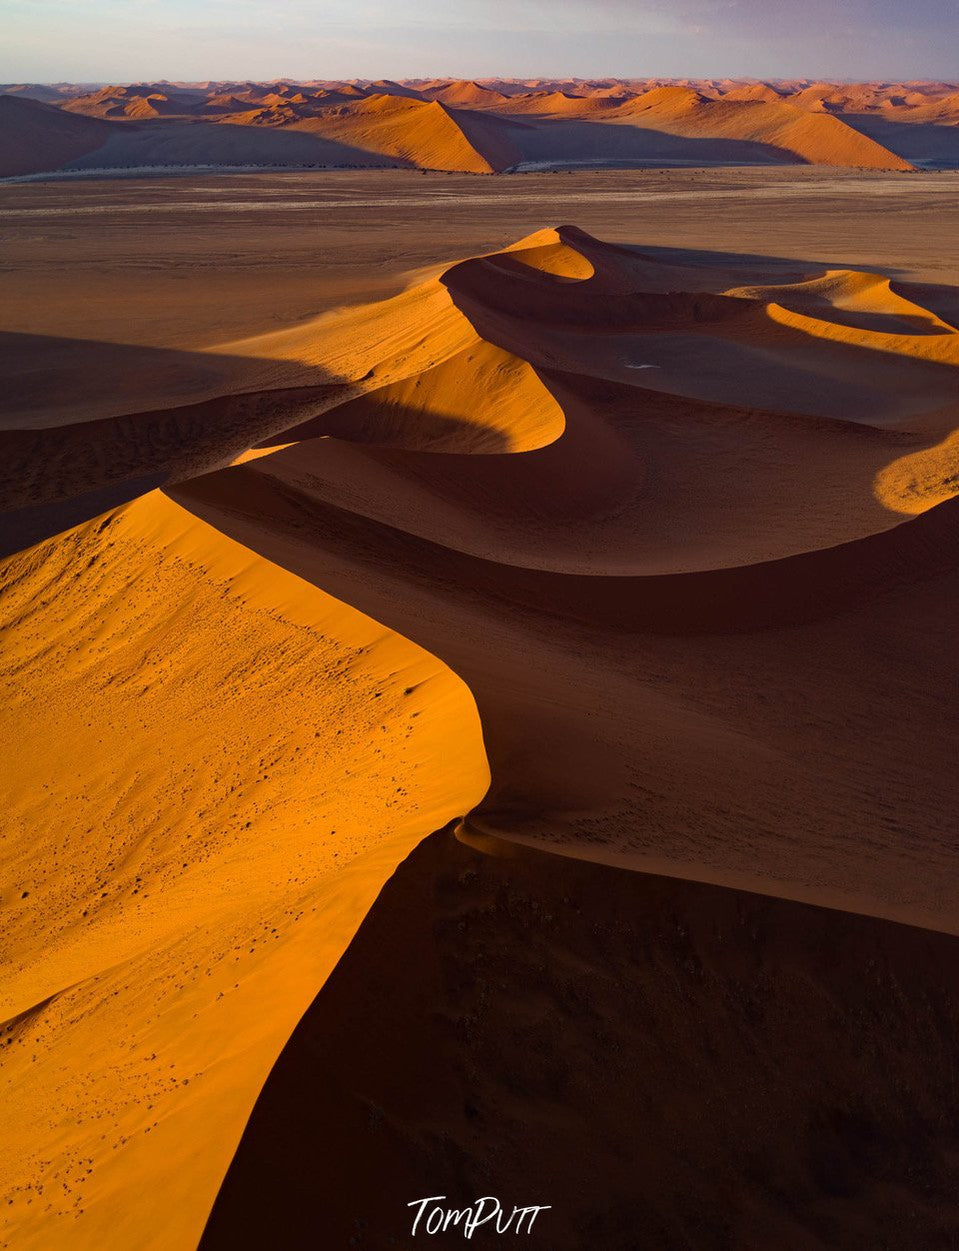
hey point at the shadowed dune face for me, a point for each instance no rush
(57, 470)
(667, 1064)
(36, 136)
(680, 529)
(927, 141)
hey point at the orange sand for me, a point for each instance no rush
(223, 767)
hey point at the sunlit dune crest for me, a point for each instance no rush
(250, 760)
(922, 480)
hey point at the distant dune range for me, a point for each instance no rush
(478, 128)
(640, 560)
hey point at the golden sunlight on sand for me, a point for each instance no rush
(222, 767)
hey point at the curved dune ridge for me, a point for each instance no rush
(666, 524)
(560, 335)
(428, 135)
(225, 765)
(684, 537)
(481, 399)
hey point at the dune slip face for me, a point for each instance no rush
(633, 555)
(606, 1038)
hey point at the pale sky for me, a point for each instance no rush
(130, 40)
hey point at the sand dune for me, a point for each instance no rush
(481, 399)
(778, 124)
(945, 109)
(48, 93)
(754, 91)
(133, 103)
(605, 332)
(424, 134)
(711, 1019)
(591, 548)
(561, 104)
(677, 123)
(463, 94)
(820, 540)
(386, 86)
(36, 136)
(863, 300)
(161, 943)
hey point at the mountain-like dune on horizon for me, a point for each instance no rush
(561, 104)
(763, 92)
(775, 124)
(130, 103)
(36, 136)
(386, 86)
(464, 93)
(47, 93)
(424, 134)
(478, 127)
(635, 557)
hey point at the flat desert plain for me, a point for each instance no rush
(478, 660)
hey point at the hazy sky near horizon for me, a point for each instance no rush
(130, 40)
